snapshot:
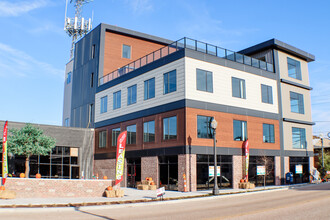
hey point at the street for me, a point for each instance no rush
(306, 202)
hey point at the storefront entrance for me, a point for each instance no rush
(133, 171)
(258, 180)
(296, 163)
(168, 172)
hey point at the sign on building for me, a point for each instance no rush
(261, 170)
(299, 169)
(211, 171)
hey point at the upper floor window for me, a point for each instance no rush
(104, 104)
(170, 82)
(268, 133)
(117, 99)
(297, 103)
(126, 51)
(115, 134)
(203, 127)
(68, 78)
(93, 51)
(149, 89)
(102, 139)
(131, 134)
(169, 128)
(149, 131)
(90, 113)
(266, 94)
(238, 87)
(92, 80)
(240, 130)
(66, 123)
(298, 138)
(131, 95)
(294, 69)
(204, 80)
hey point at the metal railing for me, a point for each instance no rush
(189, 44)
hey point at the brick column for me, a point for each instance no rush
(286, 165)
(187, 165)
(150, 168)
(237, 170)
(108, 168)
(277, 169)
(311, 164)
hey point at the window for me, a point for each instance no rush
(204, 80)
(126, 51)
(67, 122)
(268, 133)
(115, 134)
(90, 115)
(240, 131)
(149, 131)
(102, 139)
(266, 94)
(170, 82)
(68, 79)
(169, 128)
(149, 89)
(92, 80)
(203, 127)
(116, 100)
(294, 69)
(298, 138)
(93, 52)
(238, 87)
(131, 95)
(297, 102)
(131, 134)
(104, 104)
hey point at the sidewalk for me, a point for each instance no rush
(131, 196)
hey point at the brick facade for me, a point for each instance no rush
(107, 168)
(51, 188)
(277, 163)
(150, 168)
(237, 170)
(187, 165)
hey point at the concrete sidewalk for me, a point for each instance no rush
(131, 196)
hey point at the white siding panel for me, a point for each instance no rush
(222, 87)
(141, 104)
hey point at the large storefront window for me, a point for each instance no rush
(133, 171)
(61, 163)
(204, 180)
(296, 162)
(168, 172)
(258, 180)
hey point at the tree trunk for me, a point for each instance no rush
(265, 180)
(27, 166)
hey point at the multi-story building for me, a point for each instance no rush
(165, 94)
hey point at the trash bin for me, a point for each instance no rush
(289, 178)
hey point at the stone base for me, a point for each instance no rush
(246, 185)
(7, 194)
(114, 193)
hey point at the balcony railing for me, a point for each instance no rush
(189, 44)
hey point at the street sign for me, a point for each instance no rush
(299, 169)
(261, 170)
(211, 171)
(160, 192)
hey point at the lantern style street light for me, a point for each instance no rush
(214, 125)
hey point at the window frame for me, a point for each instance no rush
(301, 136)
(297, 67)
(104, 104)
(167, 84)
(129, 135)
(130, 96)
(271, 136)
(146, 135)
(206, 84)
(116, 100)
(147, 84)
(269, 94)
(129, 52)
(242, 138)
(105, 139)
(68, 78)
(209, 131)
(299, 98)
(240, 89)
(168, 136)
(114, 140)
(93, 51)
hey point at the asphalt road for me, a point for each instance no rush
(309, 202)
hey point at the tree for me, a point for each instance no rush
(269, 165)
(326, 167)
(29, 141)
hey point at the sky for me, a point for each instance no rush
(34, 48)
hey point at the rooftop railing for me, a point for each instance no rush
(189, 44)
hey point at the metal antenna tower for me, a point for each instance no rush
(77, 27)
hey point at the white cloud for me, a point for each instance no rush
(14, 62)
(10, 8)
(140, 6)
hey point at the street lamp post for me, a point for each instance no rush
(214, 125)
(321, 136)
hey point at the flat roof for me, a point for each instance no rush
(277, 44)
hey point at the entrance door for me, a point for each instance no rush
(133, 171)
